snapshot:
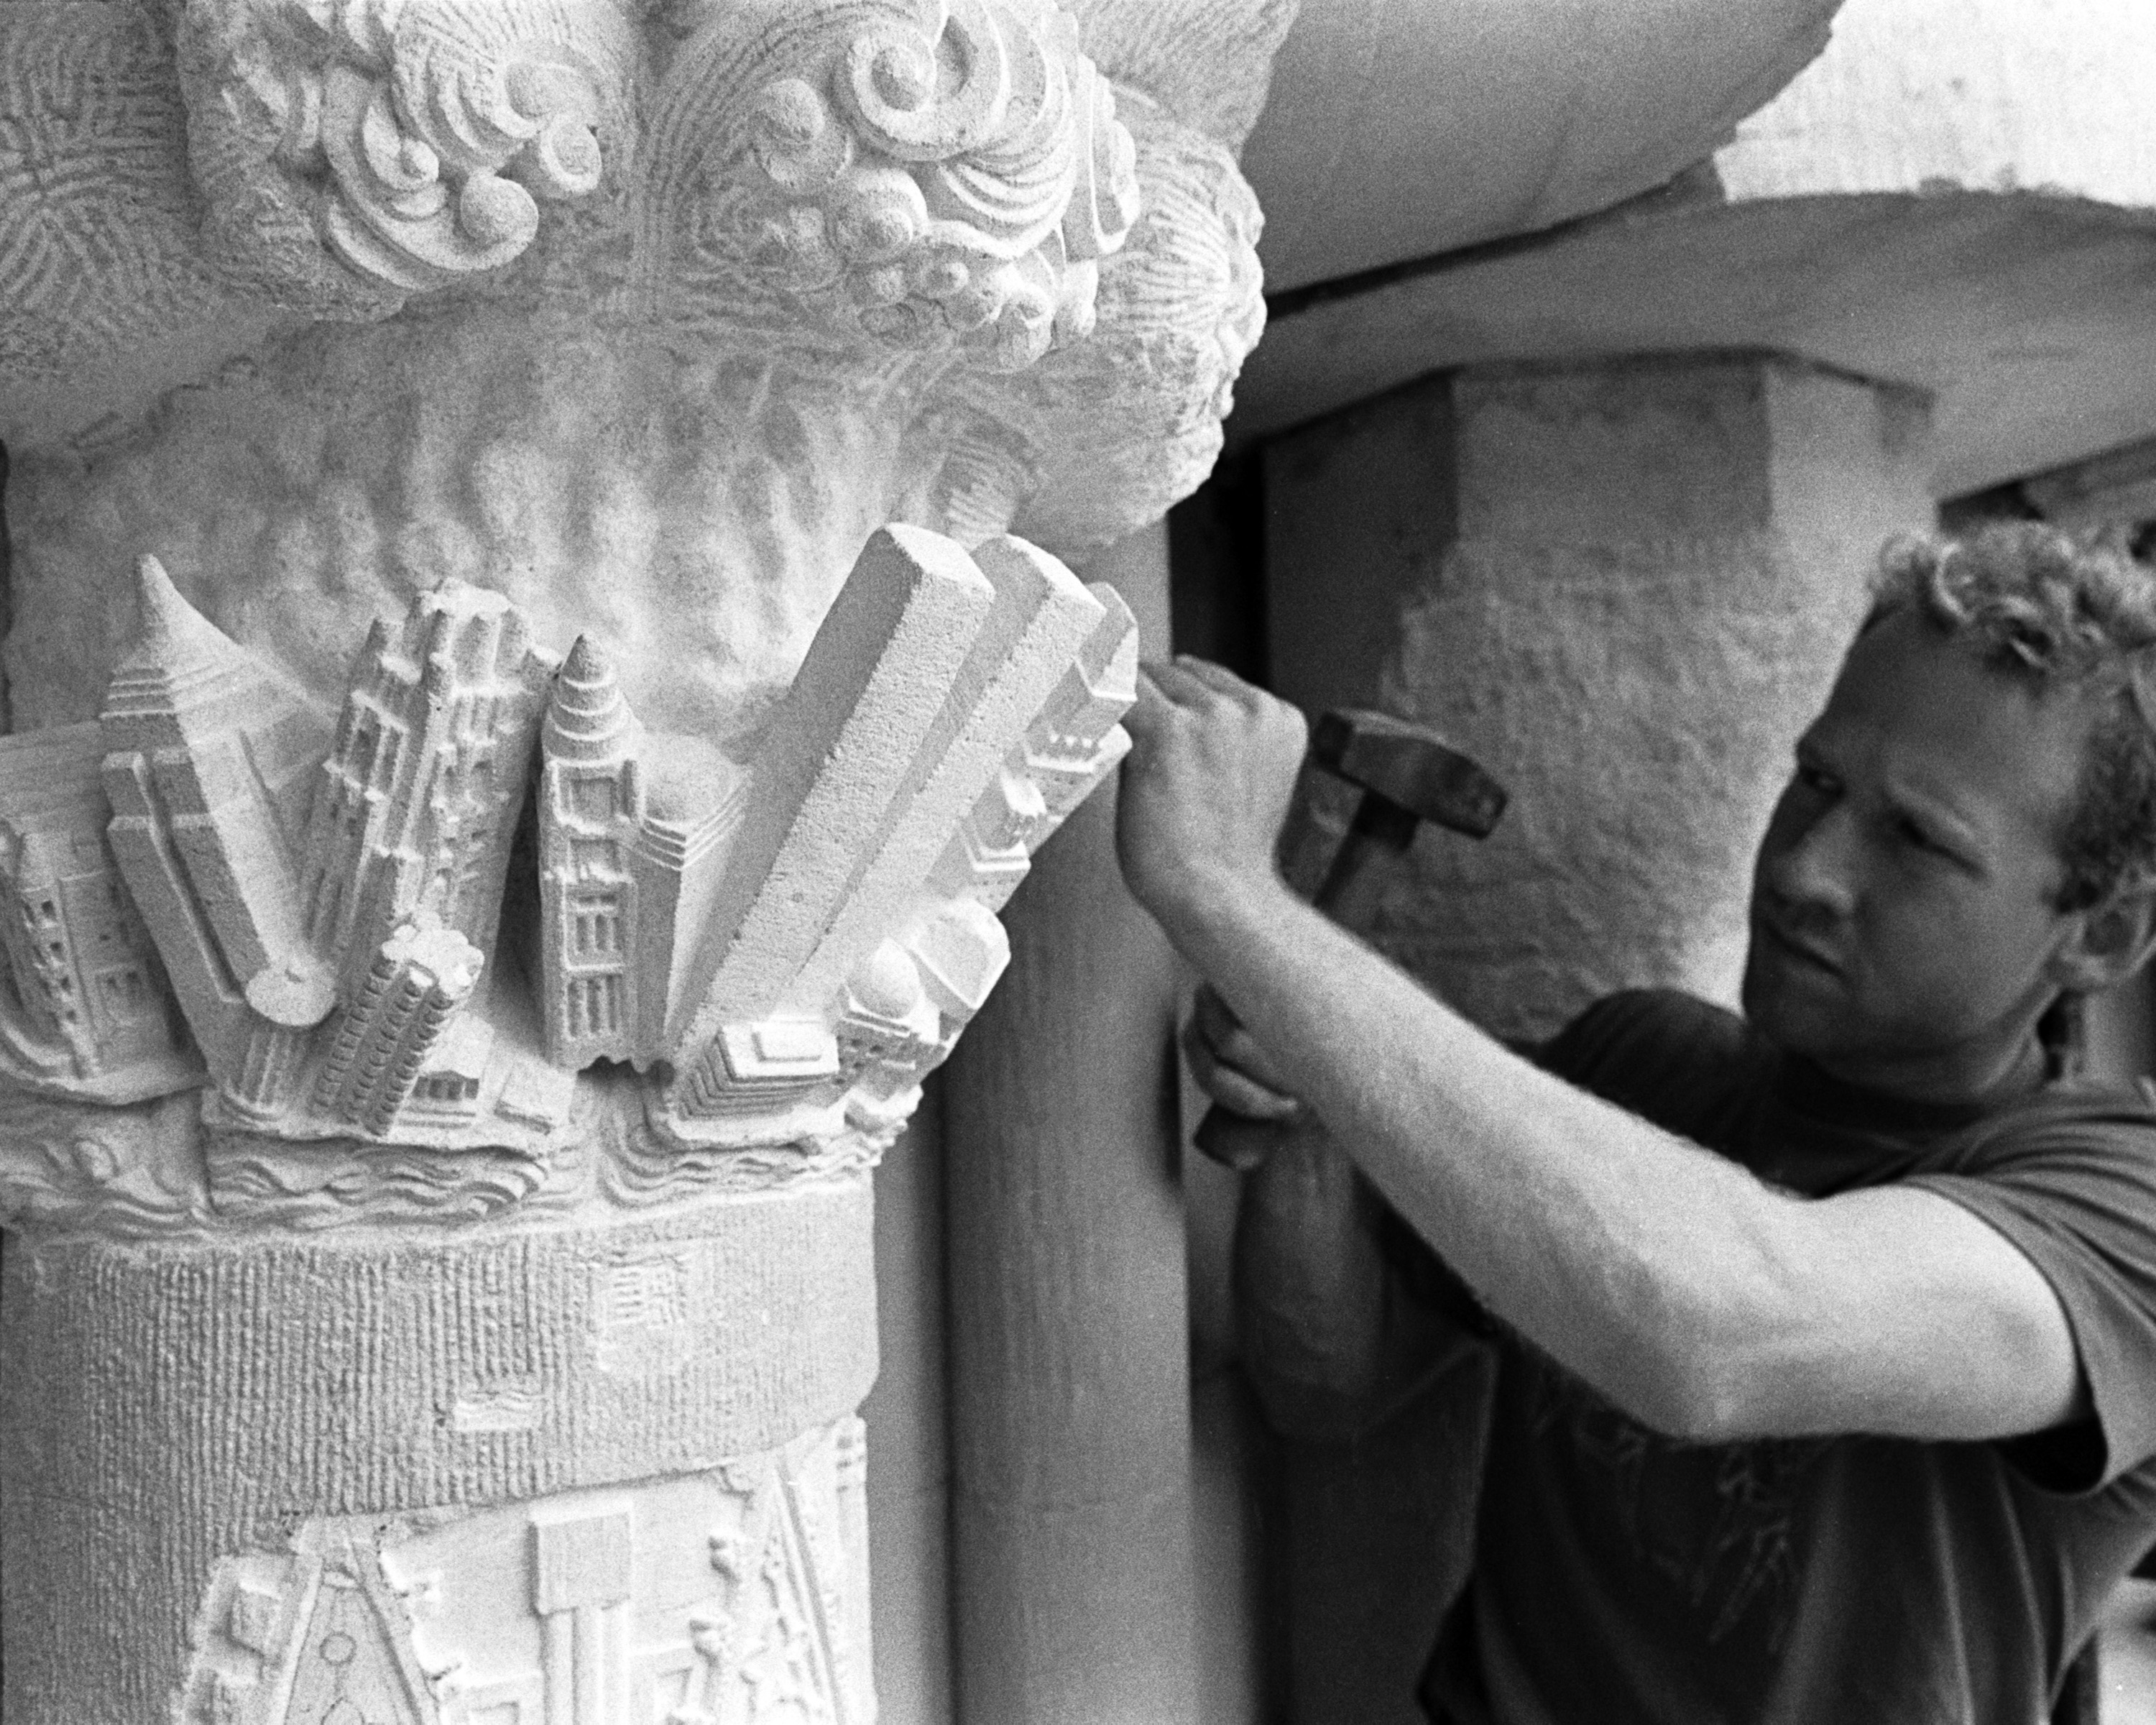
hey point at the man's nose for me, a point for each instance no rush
(1816, 869)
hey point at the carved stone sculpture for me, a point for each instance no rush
(525, 703)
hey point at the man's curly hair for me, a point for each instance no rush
(2063, 612)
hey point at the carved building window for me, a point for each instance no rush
(595, 1006)
(596, 927)
(595, 858)
(447, 1087)
(593, 799)
(123, 993)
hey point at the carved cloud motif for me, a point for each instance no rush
(413, 140)
(943, 175)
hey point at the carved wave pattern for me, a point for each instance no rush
(123, 1173)
(614, 1157)
(312, 1187)
(152, 1172)
(93, 204)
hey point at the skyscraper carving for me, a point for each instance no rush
(633, 832)
(204, 744)
(417, 804)
(84, 1008)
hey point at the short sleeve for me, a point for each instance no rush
(2078, 1198)
(1670, 1059)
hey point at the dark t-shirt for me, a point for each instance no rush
(1621, 1576)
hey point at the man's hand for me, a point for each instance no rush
(1230, 1067)
(1211, 770)
(1258, 1113)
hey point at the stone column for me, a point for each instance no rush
(525, 704)
(1069, 1357)
(1623, 586)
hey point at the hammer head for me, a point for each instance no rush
(1411, 768)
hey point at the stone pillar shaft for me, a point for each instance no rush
(1069, 1358)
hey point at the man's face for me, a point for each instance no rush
(1904, 928)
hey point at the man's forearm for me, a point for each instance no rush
(1613, 1246)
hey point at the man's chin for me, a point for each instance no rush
(1799, 1012)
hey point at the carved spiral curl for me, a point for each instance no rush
(949, 192)
(427, 143)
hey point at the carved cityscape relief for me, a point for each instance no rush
(712, 1598)
(413, 922)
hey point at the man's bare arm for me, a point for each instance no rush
(1689, 1294)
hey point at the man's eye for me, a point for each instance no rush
(1918, 838)
(1815, 779)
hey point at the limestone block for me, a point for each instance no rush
(1398, 133)
(1917, 205)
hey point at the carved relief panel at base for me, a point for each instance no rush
(714, 1598)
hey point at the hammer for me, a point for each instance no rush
(1407, 775)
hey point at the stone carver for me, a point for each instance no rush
(1825, 1336)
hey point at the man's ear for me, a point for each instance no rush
(2112, 940)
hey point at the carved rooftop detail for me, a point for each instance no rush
(342, 915)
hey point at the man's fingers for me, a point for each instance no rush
(1213, 1020)
(1174, 681)
(1229, 1085)
(1216, 677)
